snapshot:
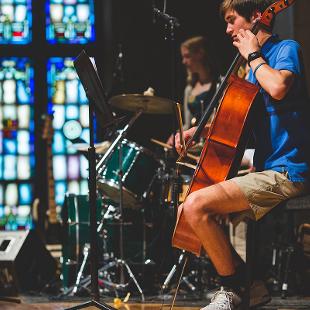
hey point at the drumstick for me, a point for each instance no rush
(186, 165)
(191, 156)
(180, 122)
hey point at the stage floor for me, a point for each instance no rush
(36, 303)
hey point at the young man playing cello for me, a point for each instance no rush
(282, 157)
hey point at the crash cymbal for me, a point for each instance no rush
(101, 147)
(148, 104)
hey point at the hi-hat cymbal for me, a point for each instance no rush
(101, 147)
(148, 104)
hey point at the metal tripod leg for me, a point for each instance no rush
(131, 275)
(173, 270)
(189, 284)
(109, 283)
(81, 270)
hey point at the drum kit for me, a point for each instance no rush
(127, 174)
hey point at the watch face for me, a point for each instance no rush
(72, 129)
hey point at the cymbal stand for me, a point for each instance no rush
(117, 143)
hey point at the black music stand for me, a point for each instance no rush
(98, 106)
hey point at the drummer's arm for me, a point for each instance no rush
(187, 135)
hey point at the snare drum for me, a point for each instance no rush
(185, 183)
(139, 169)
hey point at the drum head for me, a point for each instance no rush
(111, 189)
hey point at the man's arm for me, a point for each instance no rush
(275, 82)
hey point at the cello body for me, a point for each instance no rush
(222, 151)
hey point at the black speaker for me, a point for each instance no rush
(25, 263)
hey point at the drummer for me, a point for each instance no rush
(200, 62)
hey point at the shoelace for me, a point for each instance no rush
(222, 298)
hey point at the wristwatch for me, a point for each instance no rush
(253, 56)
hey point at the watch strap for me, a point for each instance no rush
(253, 56)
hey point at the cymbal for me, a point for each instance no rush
(148, 104)
(101, 147)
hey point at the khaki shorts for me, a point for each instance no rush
(264, 190)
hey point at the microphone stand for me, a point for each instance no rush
(172, 23)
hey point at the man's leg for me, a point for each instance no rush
(199, 210)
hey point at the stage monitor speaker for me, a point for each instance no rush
(25, 263)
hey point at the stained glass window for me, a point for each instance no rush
(68, 102)
(16, 143)
(15, 21)
(70, 21)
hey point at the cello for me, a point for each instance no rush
(235, 101)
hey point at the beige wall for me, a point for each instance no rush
(302, 32)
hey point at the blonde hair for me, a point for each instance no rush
(196, 45)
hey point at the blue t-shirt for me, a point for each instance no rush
(282, 128)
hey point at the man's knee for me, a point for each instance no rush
(194, 207)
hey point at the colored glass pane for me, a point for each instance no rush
(15, 22)
(70, 21)
(64, 95)
(16, 142)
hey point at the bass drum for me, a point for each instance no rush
(139, 170)
(75, 215)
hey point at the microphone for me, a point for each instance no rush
(118, 72)
(167, 18)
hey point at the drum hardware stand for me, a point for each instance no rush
(176, 189)
(85, 282)
(117, 143)
(173, 270)
(86, 251)
(183, 257)
(80, 273)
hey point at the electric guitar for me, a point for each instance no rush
(53, 228)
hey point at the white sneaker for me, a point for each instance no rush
(224, 300)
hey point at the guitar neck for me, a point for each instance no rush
(52, 211)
